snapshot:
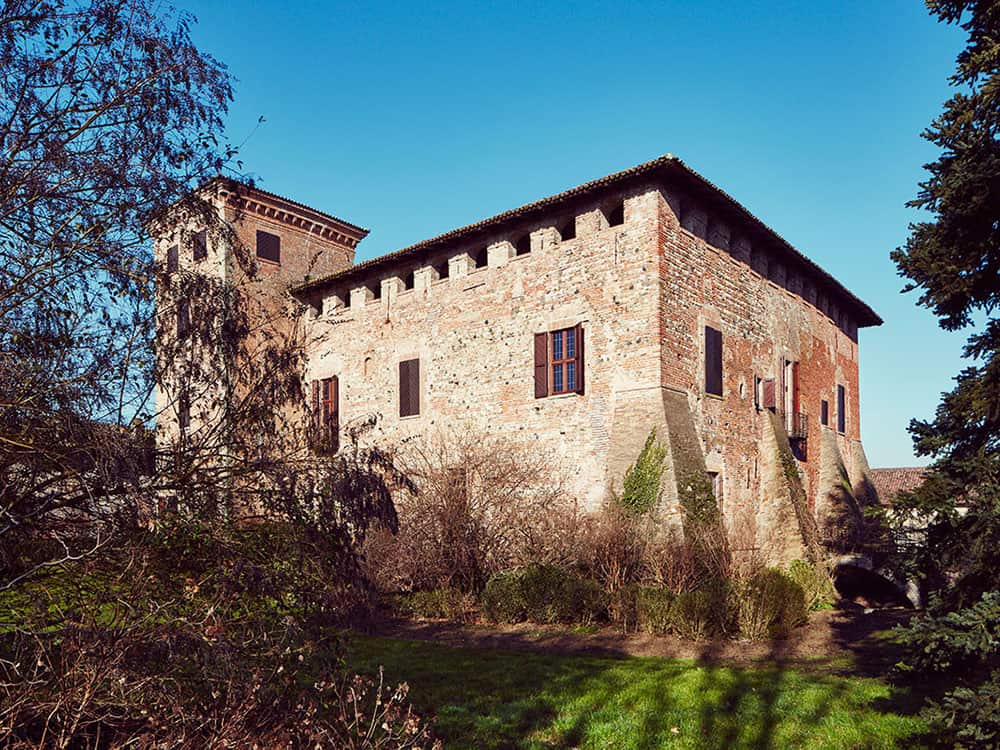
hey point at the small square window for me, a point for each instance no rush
(268, 246)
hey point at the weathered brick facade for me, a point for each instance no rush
(642, 261)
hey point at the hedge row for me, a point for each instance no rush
(768, 605)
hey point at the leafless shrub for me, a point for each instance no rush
(196, 656)
(481, 505)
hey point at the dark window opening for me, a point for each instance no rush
(409, 388)
(568, 230)
(559, 362)
(200, 250)
(173, 259)
(523, 245)
(481, 257)
(713, 361)
(616, 214)
(376, 290)
(824, 412)
(841, 409)
(268, 246)
(183, 317)
(184, 410)
(442, 269)
(408, 280)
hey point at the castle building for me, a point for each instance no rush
(647, 299)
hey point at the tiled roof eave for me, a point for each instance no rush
(660, 166)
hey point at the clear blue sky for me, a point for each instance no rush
(411, 121)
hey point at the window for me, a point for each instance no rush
(841, 409)
(568, 230)
(713, 361)
(268, 246)
(326, 412)
(790, 393)
(173, 259)
(824, 412)
(523, 245)
(184, 409)
(715, 478)
(409, 388)
(616, 214)
(559, 362)
(200, 245)
(183, 317)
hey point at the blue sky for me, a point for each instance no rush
(413, 120)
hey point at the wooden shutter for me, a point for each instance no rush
(268, 246)
(316, 414)
(541, 365)
(333, 424)
(579, 359)
(713, 361)
(795, 388)
(769, 395)
(409, 388)
(173, 259)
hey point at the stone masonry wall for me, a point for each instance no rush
(473, 334)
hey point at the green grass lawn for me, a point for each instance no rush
(502, 699)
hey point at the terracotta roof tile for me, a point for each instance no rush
(891, 481)
(662, 165)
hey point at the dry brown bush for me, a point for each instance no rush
(482, 505)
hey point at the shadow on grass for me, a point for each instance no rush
(516, 698)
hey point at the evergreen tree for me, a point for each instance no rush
(954, 261)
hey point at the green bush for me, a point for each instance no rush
(503, 599)
(702, 613)
(439, 604)
(816, 584)
(653, 608)
(544, 594)
(768, 605)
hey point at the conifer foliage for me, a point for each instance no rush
(953, 260)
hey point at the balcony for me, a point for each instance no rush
(798, 426)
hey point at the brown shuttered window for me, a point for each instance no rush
(184, 410)
(183, 317)
(713, 361)
(200, 245)
(559, 364)
(325, 410)
(409, 388)
(268, 246)
(173, 259)
(330, 393)
(841, 409)
(824, 412)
